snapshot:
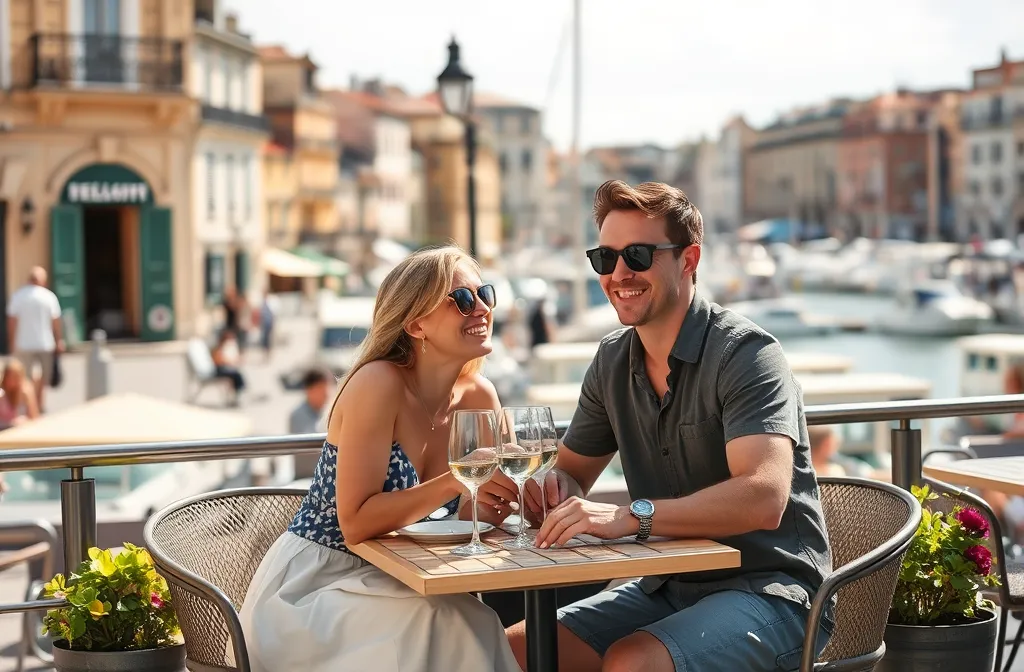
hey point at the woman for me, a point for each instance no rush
(226, 357)
(313, 605)
(17, 396)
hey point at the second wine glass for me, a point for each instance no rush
(520, 453)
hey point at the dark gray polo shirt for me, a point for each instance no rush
(728, 378)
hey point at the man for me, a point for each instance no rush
(33, 322)
(308, 417)
(708, 422)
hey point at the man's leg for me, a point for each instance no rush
(34, 374)
(587, 628)
(725, 631)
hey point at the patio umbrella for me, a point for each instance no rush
(126, 418)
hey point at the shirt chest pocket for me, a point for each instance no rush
(702, 447)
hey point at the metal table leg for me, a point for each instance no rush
(541, 631)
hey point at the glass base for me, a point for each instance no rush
(472, 549)
(521, 540)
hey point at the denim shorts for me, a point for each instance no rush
(723, 631)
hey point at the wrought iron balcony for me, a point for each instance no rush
(221, 115)
(115, 61)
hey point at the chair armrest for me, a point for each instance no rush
(965, 452)
(892, 549)
(32, 532)
(14, 558)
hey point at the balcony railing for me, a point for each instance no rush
(78, 494)
(131, 63)
(222, 115)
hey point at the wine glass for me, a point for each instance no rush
(473, 458)
(519, 456)
(549, 452)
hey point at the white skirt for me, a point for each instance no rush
(315, 609)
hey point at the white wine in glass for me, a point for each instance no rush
(519, 456)
(473, 459)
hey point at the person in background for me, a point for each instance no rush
(308, 418)
(226, 358)
(33, 321)
(17, 396)
(267, 318)
(541, 317)
(824, 451)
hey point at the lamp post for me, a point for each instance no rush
(455, 89)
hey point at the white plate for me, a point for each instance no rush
(443, 530)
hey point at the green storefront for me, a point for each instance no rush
(111, 255)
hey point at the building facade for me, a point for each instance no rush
(227, 158)
(95, 157)
(720, 177)
(790, 170)
(522, 161)
(992, 159)
(301, 166)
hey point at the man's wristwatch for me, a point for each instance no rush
(643, 510)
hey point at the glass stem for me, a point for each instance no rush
(522, 510)
(543, 500)
(476, 525)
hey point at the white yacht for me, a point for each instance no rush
(935, 308)
(784, 317)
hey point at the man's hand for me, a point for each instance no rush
(556, 489)
(580, 516)
(61, 346)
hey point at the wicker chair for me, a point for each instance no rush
(208, 548)
(870, 526)
(1010, 595)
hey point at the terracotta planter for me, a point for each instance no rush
(166, 659)
(941, 648)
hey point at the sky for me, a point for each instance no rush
(663, 71)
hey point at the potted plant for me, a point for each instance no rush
(939, 619)
(119, 616)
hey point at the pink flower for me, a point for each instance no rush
(159, 604)
(981, 557)
(973, 522)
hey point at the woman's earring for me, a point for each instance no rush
(423, 345)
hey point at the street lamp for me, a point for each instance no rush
(455, 89)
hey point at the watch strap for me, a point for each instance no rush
(645, 528)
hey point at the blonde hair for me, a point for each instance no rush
(413, 289)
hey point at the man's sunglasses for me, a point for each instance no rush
(465, 299)
(638, 257)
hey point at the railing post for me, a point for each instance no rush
(78, 517)
(906, 455)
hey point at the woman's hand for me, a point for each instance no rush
(495, 515)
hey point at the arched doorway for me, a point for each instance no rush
(111, 254)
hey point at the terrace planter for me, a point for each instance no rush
(165, 659)
(941, 648)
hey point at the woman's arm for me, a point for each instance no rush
(362, 427)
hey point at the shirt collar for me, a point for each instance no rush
(689, 341)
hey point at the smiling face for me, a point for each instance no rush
(452, 333)
(643, 297)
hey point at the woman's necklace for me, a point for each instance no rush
(432, 416)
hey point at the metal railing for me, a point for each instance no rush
(136, 63)
(78, 494)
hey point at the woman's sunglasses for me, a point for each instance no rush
(638, 257)
(465, 299)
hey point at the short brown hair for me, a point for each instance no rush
(683, 222)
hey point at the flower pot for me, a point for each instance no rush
(165, 659)
(941, 648)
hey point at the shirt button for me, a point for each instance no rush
(664, 451)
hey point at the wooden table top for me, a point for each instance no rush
(1001, 474)
(431, 569)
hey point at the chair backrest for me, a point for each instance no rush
(219, 537)
(860, 518)
(199, 359)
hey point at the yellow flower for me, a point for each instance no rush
(97, 609)
(102, 562)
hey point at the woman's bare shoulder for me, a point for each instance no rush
(478, 392)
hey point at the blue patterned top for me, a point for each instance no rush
(317, 518)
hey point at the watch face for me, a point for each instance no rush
(642, 508)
